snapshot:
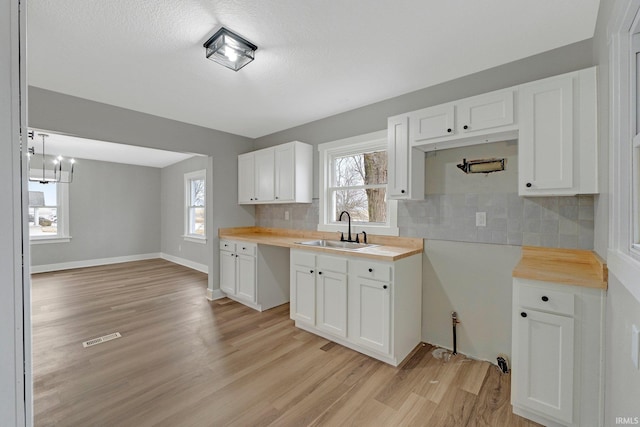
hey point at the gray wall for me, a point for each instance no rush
(172, 208)
(447, 286)
(89, 119)
(114, 210)
(622, 379)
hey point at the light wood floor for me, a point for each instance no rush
(183, 360)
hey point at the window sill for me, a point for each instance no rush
(626, 268)
(357, 228)
(45, 240)
(194, 239)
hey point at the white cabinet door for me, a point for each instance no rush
(303, 294)
(246, 178)
(246, 277)
(284, 172)
(546, 141)
(488, 111)
(332, 302)
(432, 122)
(543, 363)
(264, 175)
(228, 272)
(398, 157)
(369, 311)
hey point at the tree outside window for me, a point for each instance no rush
(359, 186)
(195, 189)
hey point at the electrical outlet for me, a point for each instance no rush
(179, 248)
(635, 345)
(286, 215)
(481, 219)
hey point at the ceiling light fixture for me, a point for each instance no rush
(54, 175)
(229, 49)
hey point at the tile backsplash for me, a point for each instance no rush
(557, 222)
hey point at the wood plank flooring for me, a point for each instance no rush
(186, 361)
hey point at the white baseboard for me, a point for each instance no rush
(214, 294)
(185, 262)
(91, 262)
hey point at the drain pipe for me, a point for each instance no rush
(454, 321)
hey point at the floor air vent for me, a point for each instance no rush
(100, 340)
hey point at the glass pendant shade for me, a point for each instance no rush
(229, 49)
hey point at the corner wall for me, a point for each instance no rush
(84, 118)
(113, 212)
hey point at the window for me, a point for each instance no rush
(635, 146)
(354, 179)
(195, 206)
(48, 207)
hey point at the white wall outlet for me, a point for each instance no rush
(635, 345)
(481, 219)
(286, 215)
(179, 248)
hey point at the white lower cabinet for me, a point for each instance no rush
(370, 313)
(331, 300)
(253, 275)
(557, 361)
(373, 307)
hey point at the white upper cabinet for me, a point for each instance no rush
(246, 178)
(405, 169)
(489, 111)
(285, 173)
(433, 122)
(280, 174)
(557, 146)
(483, 118)
(554, 120)
(264, 175)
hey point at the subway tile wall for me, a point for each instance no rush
(558, 222)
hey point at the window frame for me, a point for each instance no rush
(634, 62)
(62, 214)
(188, 178)
(375, 141)
(623, 255)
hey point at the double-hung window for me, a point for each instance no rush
(353, 178)
(195, 206)
(48, 212)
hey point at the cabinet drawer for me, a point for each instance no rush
(371, 270)
(338, 265)
(245, 248)
(306, 259)
(545, 299)
(227, 245)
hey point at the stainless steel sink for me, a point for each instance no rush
(334, 244)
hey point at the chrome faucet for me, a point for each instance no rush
(349, 236)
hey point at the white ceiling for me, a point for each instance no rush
(314, 58)
(81, 148)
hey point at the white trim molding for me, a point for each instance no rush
(375, 140)
(91, 262)
(622, 260)
(626, 270)
(185, 262)
(214, 294)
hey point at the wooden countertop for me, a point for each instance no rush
(566, 266)
(390, 249)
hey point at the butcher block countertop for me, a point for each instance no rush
(565, 266)
(390, 248)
